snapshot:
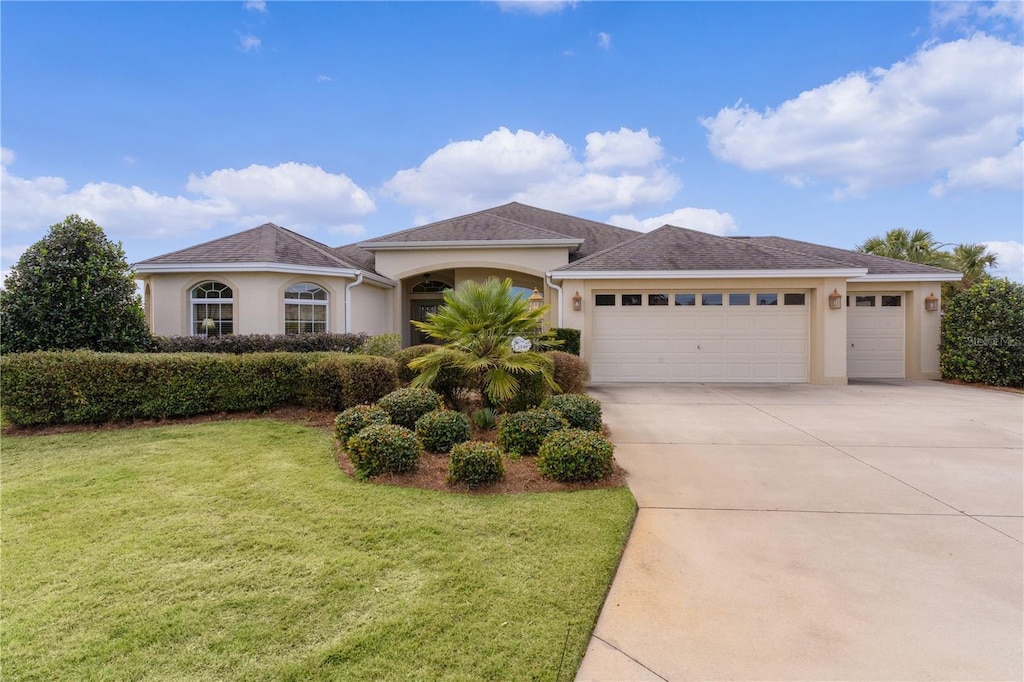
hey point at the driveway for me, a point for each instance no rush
(870, 531)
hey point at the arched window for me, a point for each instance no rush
(430, 287)
(213, 310)
(305, 309)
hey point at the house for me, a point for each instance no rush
(668, 305)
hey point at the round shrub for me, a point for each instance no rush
(572, 373)
(982, 338)
(522, 433)
(406, 405)
(355, 419)
(407, 355)
(383, 448)
(475, 463)
(441, 429)
(581, 411)
(533, 389)
(575, 455)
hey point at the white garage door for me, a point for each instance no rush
(875, 347)
(700, 336)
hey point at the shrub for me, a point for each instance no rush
(572, 373)
(581, 411)
(485, 419)
(533, 390)
(522, 433)
(340, 380)
(77, 387)
(575, 455)
(982, 338)
(382, 449)
(384, 345)
(261, 343)
(406, 405)
(441, 429)
(450, 382)
(404, 356)
(570, 339)
(475, 463)
(355, 419)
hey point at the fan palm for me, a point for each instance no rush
(919, 246)
(477, 324)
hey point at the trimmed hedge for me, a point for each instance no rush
(475, 463)
(581, 411)
(355, 419)
(521, 433)
(572, 373)
(533, 391)
(384, 345)
(450, 382)
(570, 339)
(441, 430)
(261, 343)
(78, 387)
(575, 455)
(340, 381)
(406, 405)
(982, 338)
(382, 449)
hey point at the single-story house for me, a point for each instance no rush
(668, 305)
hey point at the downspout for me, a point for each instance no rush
(559, 290)
(348, 301)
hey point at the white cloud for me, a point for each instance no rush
(604, 40)
(969, 17)
(535, 6)
(7, 157)
(128, 160)
(347, 230)
(623, 149)
(291, 194)
(537, 168)
(944, 110)
(12, 252)
(702, 219)
(322, 78)
(255, 6)
(1009, 259)
(249, 43)
(990, 172)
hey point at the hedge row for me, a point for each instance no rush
(260, 343)
(75, 387)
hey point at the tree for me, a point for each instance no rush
(982, 338)
(478, 323)
(72, 289)
(973, 260)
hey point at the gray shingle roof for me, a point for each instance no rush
(479, 226)
(876, 265)
(267, 243)
(596, 236)
(671, 248)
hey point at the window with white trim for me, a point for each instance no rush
(213, 309)
(305, 309)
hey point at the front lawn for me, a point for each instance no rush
(238, 550)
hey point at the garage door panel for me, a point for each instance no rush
(876, 340)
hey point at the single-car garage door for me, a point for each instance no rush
(700, 336)
(875, 336)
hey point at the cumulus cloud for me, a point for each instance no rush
(291, 194)
(1010, 259)
(537, 168)
(249, 43)
(702, 219)
(969, 17)
(6, 156)
(255, 6)
(604, 40)
(945, 110)
(534, 6)
(1006, 171)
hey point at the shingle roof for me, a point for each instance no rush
(596, 236)
(876, 265)
(480, 226)
(671, 248)
(268, 243)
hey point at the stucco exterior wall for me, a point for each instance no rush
(531, 260)
(372, 309)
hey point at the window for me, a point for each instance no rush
(657, 299)
(892, 301)
(632, 299)
(793, 299)
(213, 309)
(767, 299)
(604, 299)
(739, 299)
(686, 299)
(711, 299)
(865, 301)
(431, 287)
(305, 309)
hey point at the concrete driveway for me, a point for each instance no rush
(870, 531)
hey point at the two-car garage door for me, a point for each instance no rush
(700, 336)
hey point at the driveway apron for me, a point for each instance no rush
(872, 532)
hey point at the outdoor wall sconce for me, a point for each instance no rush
(426, 279)
(536, 300)
(835, 300)
(577, 302)
(931, 302)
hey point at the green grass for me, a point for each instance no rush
(238, 550)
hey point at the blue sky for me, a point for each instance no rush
(175, 123)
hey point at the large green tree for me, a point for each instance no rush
(72, 289)
(477, 324)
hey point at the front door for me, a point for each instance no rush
(419, 312)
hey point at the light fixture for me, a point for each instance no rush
(931, 302)
(426, 279)
(536, 300)
(835, 300)
(577, 301)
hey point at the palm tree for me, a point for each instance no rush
(919, 246)
(477, 324)
(973, 260)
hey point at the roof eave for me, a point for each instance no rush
(287, 268)
(703, 274)
(911, 277)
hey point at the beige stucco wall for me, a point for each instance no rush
(372, 308)
(531, 260)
